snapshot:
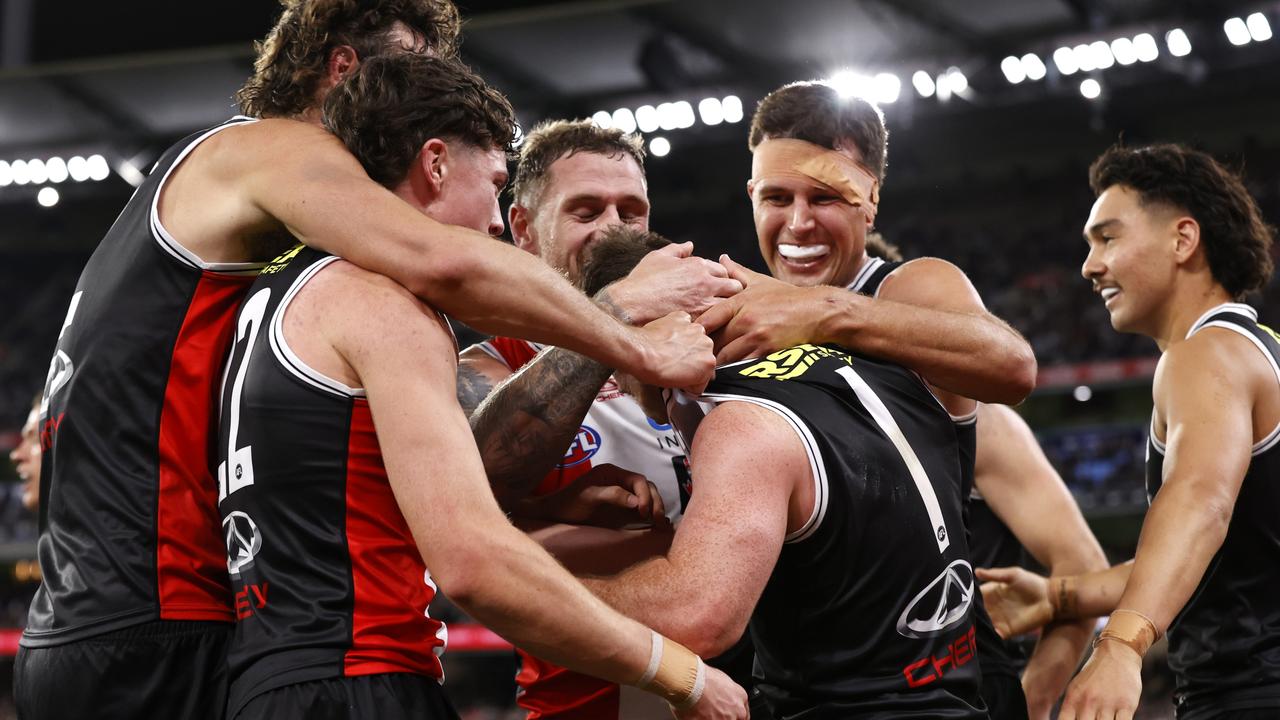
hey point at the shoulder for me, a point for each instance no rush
(929, 281)
(360, 309)
(1216, 365)
(268, 143)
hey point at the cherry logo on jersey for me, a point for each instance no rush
(243, 540)
(941, 604)
(585, 445)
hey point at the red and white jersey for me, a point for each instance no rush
(615, 431)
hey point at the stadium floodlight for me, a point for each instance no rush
(956, 79)
(1237, 31)
(98, 169)
(36, 172)
(668, 116)
(1124, 52)
(6, 175)
(1145, 44)
(1101, 52)
(601, 119)
(1178, 43)
(1065, 60)
(624, 120)
(887, 88)
(732, 109)
(660, 146)
(1033, 66)
(1091, 88)
(56, 168)
(685, 117)
(647, 118)
(848, 83)
(711, 112)
(1013, 70)
(943, 84)
(47, 197)
(1084, 58)
(923, 83)
(1259, 27)
(20, 174)
(78, 168)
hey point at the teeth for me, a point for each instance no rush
(803, 252)
(1108, 293)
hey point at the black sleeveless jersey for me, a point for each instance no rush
(868, 611)
(328, 580)
(986, 534)
(1224, 646)
(128, 516)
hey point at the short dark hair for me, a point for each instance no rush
(816, 113)
(617, 252)
(1237, 241)
(391, 105)
(552, 140)
(292, 60)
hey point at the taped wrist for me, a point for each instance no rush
(675, 673)
(1063, 597)
(1131, 628)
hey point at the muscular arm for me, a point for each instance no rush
(746, 462)
(587, 550)
(1024, 491)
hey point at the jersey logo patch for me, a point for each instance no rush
(791, 363)
(584, 446)
(942, 604)
(243, 541)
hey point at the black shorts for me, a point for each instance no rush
(1004, 697)
(389, 696)
(161, 669)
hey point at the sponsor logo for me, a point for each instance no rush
(791, 363)
(942, 604)
(249, 598)
(584, 446)
(243, 541)
(930, 669)
(660, 427)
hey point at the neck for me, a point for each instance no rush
(853, 272)
(1187, 306)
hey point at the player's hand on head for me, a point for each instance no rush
(676, 354)
(767, 315)
(670, 279)
(1017, 600)
(722, 699)
(1109, 686)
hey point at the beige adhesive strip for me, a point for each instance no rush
(785, 157)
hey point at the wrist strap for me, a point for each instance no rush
(1063, 597)
(1131, 628)
(674, 673)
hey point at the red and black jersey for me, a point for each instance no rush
(128, 515)
(327, 577)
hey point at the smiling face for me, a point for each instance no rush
(1132, 261)
(808, 234)
(584, 194)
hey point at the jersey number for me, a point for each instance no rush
(240, 459)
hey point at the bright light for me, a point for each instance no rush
(684, 114)
(1146, 47)
(659, 146)
(1084, 58)
(98, 169)
(20, 174)
(923, 83)
(1082, 393)
(1102, 57)
(943, 84)
(1124, 52)
(47, 197)
(1065, 60)
(1259, 28)
(1178, 43)
(623, 120)
(1090, 88)
(668, 118)
(601, 120)
(647, 118)
(78, 168)
(57, 169)
(732, 109)
(6, 175)
(1012, 69)
(956, 79)
(710, 111)
(888, 88)
(1033, 66)
(37, 172)
(848, 83)
(134, 176)
(1237, 31)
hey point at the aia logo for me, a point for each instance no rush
(942, 604)
(584, 446)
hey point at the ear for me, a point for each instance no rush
(520, 219)
(433, 162)
(1186, 239)
(342, 61)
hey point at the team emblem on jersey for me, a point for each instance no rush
(585, 445)
(791, 362)
(243, 541)
(942, 604)
(660, 427)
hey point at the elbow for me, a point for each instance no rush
(464, 578)
(1018, 378)
(709, 629)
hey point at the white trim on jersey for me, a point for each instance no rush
(1270, 440)
(966, 419)
(816, 467)
(288, 359)
(872, 264)
(167, 241)
(1240, 308)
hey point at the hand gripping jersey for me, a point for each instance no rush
(615, 431)
(128, 516)
(1224, 647)
(869, 611)
(327, 578)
